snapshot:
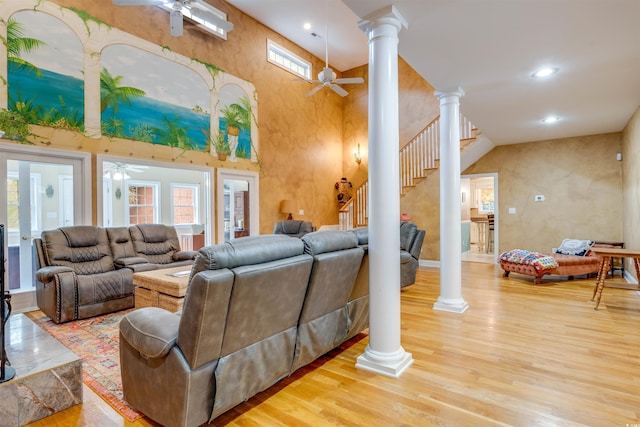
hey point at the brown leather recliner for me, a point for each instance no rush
(159, 245)
(293, 227)
(78, 278)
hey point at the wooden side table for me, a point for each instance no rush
(613, 266)
(606, 254)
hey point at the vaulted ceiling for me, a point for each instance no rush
(490, 48)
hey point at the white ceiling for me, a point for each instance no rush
(490, 48)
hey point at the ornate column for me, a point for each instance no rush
(384, 354)
(450, 298)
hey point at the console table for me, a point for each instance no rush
(606, 254)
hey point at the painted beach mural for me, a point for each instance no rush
(135, 90)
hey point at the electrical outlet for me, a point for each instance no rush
(301, 212)
(512, 211)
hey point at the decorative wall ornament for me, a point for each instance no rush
(49, 191)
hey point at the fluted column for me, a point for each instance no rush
(450, 298)
(384, 354)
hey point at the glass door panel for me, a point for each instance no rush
(40, 197)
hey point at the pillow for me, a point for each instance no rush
(574, 247)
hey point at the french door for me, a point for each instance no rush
(42, 190)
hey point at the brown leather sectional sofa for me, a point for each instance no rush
(86, 271)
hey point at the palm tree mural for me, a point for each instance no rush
(112, 94)
(17, 45)
(174, 135)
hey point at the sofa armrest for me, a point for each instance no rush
(151, 331)
(184, 255)
(48, 274)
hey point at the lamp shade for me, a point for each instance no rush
(288, 207)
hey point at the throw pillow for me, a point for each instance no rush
(574, 247)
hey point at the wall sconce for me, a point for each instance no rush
(49, 191)
(288, 207)
(356, 154)
(118, 193)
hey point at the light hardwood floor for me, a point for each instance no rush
(521, 355)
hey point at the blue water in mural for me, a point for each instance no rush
(64, 93)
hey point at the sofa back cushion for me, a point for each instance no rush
(408, 232)
(120, 242)
(293, 227)
(83, 248)
(155, 242)
(242, 292)
(336, 261)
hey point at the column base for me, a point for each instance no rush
(389, 364)
(457, 305)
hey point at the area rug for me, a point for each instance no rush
(95, 341)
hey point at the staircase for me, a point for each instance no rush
(419, 158)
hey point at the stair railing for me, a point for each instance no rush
(418, 159)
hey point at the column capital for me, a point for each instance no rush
(386, 15)
(457, 92)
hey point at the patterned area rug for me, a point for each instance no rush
(95, 340)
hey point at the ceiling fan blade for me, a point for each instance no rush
(337, 89)
(349, 80)
(306, 80)
(314, 90)
(139, 2)
(212, 19)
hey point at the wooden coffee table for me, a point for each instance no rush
(164, 288)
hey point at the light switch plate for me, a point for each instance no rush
(512, 211)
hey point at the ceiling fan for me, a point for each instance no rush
(194, 9)
(327, 77)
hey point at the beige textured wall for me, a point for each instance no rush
(580, 179)
(300, 138)
(631, 185)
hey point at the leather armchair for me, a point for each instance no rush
(77, 278)
(293, 227)
(411, 240)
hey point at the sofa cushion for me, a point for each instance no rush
(320, 242)
(85, 249)
(247, 250)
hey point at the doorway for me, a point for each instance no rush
(480, 222)
(42, 190)
(237, 207)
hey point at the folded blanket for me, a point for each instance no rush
(540, 262)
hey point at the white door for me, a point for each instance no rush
(43, 190)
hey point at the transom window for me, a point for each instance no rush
(281, 57)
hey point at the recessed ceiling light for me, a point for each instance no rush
(307, 26)
(544, 72)
(550, 119)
